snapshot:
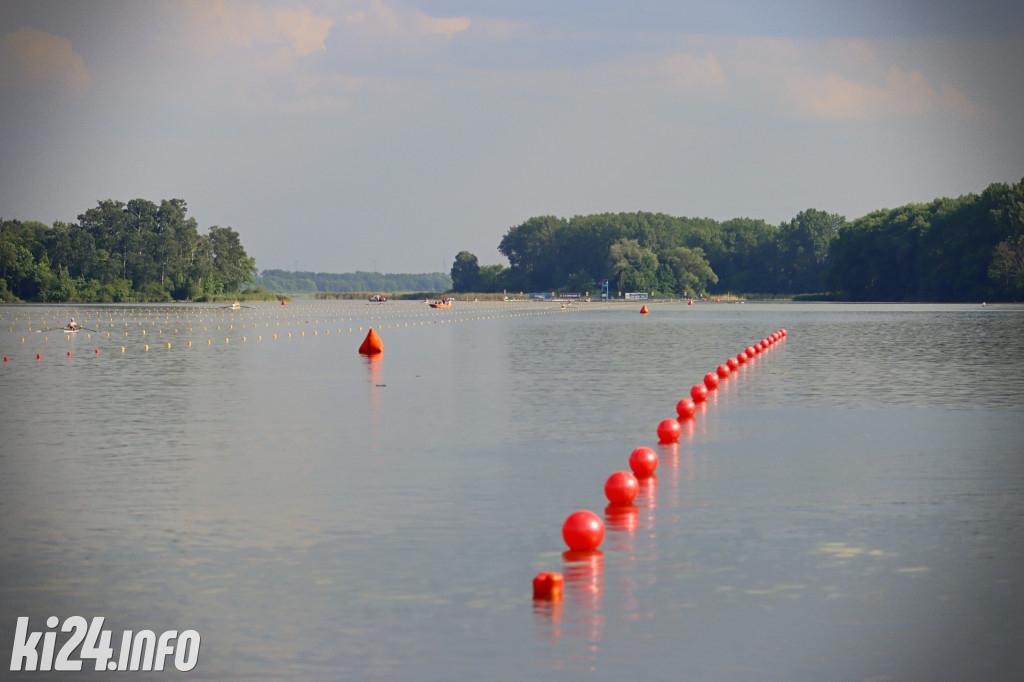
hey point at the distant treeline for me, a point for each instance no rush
(969, 248)
(135, 251)
(320, 282)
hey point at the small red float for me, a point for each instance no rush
(723, 371)
(741, 358)
(643, 461)
(669, 431)
(621, 487)
(711, 380)
(685, 408)
(583, 531)
(699, 393)
(733, 364)
(548, 586)
(644, 310)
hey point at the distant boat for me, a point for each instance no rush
(443, 303)
(377, 299)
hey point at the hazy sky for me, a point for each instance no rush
(340, 135)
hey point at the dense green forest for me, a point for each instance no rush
(964, 249)
(319, 282)
(135, 251)
(969, 248)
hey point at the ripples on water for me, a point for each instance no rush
(847, 506)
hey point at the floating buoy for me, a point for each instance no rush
(69, 354)
(372, 345)
(699, 393)
(284, 302)
(643, 461)
(621, 487)
(669, 431)
(644, 310)
(723, 371)
(750, 351)
(548, 586)
(685, 408)
(583, 531)
(733, 364)
(38, 356)
(741, 359)
(5, 358)
(691, 302)
(97, 351)
(711, 380)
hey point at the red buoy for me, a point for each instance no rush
(750, 351)
(733, 364)
(644, 310)
(69, 354)
(643, 461)
(699, 393)
(723, 371)
(548, 586)
(711, 380)
(38, 356)
(621, 487)
(372, 344)
(97, 351)
(583, 531)
(5, 358)
(685, 408)
(669, 431)
(741, 358)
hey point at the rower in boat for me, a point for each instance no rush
(72, 325)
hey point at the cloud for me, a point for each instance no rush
(841, 80)
(835, 97)
(223, 23)
(397, 25)
(37, 61)
(687, 71)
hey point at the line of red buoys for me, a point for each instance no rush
(583, 531)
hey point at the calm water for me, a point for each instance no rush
(849, 506)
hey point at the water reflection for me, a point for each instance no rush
(584, 592)
(621, 522)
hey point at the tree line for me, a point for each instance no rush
(968, 248)
(119, 252)
(321, 282)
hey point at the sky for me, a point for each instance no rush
(389, 135)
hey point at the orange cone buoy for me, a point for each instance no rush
(644, 310)
(372, 344)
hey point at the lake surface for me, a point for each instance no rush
(847, 506)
